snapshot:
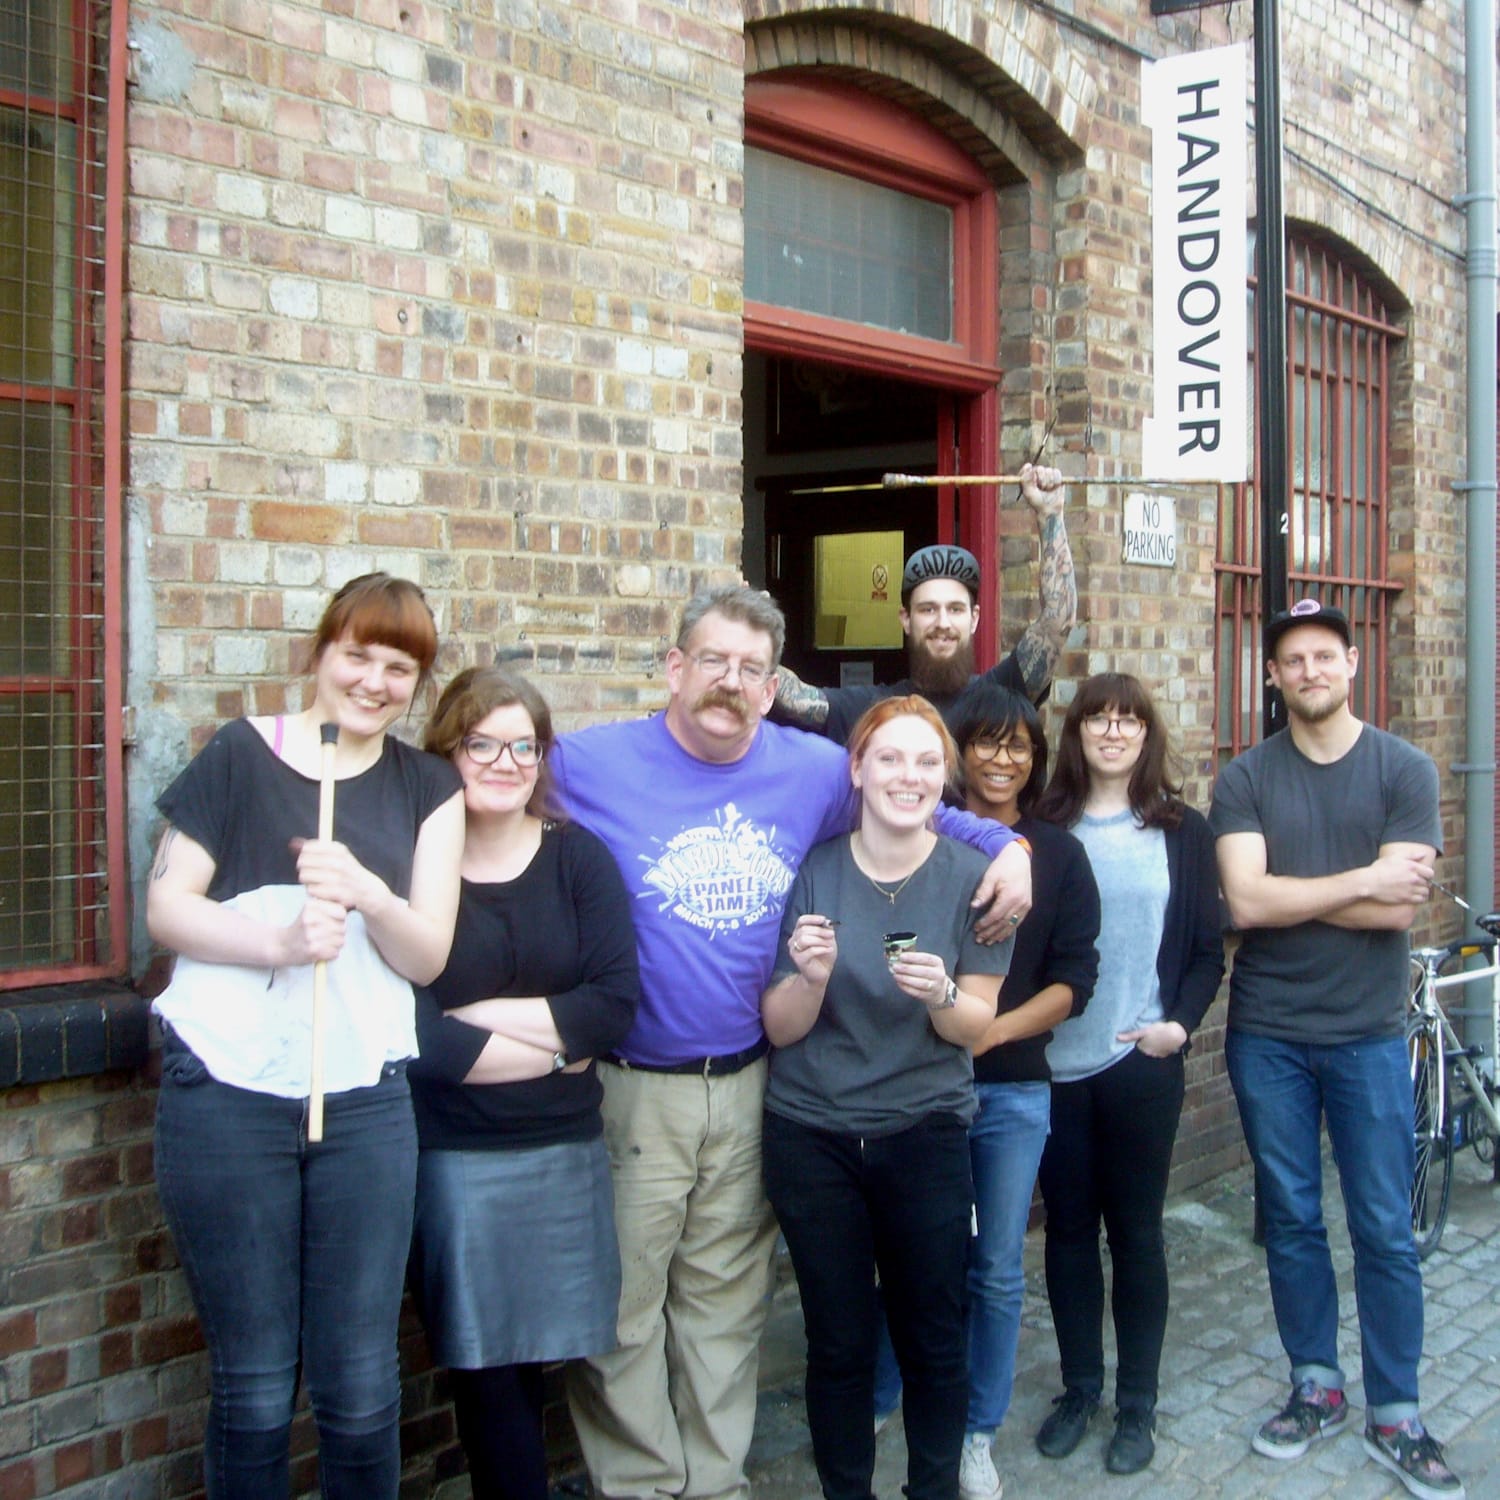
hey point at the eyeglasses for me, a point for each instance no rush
(484, 751)
(717, 667)
(1127, 726)
(987, 747)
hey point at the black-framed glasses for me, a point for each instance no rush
(717, 667)
(484, 751)
(1127, 726)
(1018, 748)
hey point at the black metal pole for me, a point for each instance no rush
(1270, 334)
(1270, 362)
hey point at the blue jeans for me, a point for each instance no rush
(293, 1253)
(1363, 1090)
(1006, 1139)
(847, 1206)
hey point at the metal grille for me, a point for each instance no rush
(1339, 344)
(61, 860)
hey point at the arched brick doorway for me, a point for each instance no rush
(836, 393)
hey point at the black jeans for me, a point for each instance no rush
(295, 1255)
(900, 1204)
(1107, 1159)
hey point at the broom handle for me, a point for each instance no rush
(329, 734)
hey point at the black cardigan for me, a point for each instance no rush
(1190, 962)
(1054, 945)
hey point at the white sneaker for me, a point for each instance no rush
(977, 1479)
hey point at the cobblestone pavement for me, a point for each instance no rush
(1223, 1370)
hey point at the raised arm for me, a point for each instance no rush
(799, 703)
(1042, 643)
(1384, 894)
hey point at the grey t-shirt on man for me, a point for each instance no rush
(1314, 982)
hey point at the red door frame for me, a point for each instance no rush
(838, 126)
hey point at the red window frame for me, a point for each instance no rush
(845, 129)
(90, 606)
(1328, 302)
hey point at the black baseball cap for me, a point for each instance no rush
(1306, 612)
(942, 560)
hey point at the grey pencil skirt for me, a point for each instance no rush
(514, 1258)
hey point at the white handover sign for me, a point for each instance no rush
(1150, 530)
(1195, 107)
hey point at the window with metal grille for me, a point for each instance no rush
(61, 854)
(1340, 339)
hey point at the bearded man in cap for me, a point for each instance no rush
(939, 615)
(1326, 836)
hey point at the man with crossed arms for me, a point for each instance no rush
(1326, 836)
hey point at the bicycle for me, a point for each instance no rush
(1446, 1121)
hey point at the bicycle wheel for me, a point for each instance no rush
(1433, 1181)
(1481, 1133)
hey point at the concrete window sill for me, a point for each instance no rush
(71, 1031)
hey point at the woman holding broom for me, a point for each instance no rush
(294, 1248)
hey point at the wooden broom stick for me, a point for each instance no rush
(329, 735)
(917, 481)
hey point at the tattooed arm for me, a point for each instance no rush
(1039, 648)
(802, 704)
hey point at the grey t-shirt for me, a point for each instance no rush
(872, 1064)
(1130, 868)
(1315, 982)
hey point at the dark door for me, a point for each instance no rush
(828, 641)
(833, 559)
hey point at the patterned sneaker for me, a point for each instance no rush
(1312, 1413)
(977, 1479)
(1415, 1458)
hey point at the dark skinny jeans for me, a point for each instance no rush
(900, 1203)
(1107, 1160)
(293, 1253)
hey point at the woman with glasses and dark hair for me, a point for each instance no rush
(514, 1259)
(294, 1250)
(1003, 750)
(1117, 1070)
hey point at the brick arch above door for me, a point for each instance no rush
(1013, 131)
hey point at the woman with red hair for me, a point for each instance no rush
(881, 990)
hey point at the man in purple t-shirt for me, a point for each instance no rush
(709, 812)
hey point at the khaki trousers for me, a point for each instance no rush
(672, 1410)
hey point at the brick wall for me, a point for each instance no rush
(423, 287)
(103, 1378)
(96, 1341)
(455, 289)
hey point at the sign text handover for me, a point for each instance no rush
(1195, 106)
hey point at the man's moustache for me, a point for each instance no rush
(719, 698)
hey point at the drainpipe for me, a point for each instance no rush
(1479, 487)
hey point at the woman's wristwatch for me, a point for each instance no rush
(950, 997)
